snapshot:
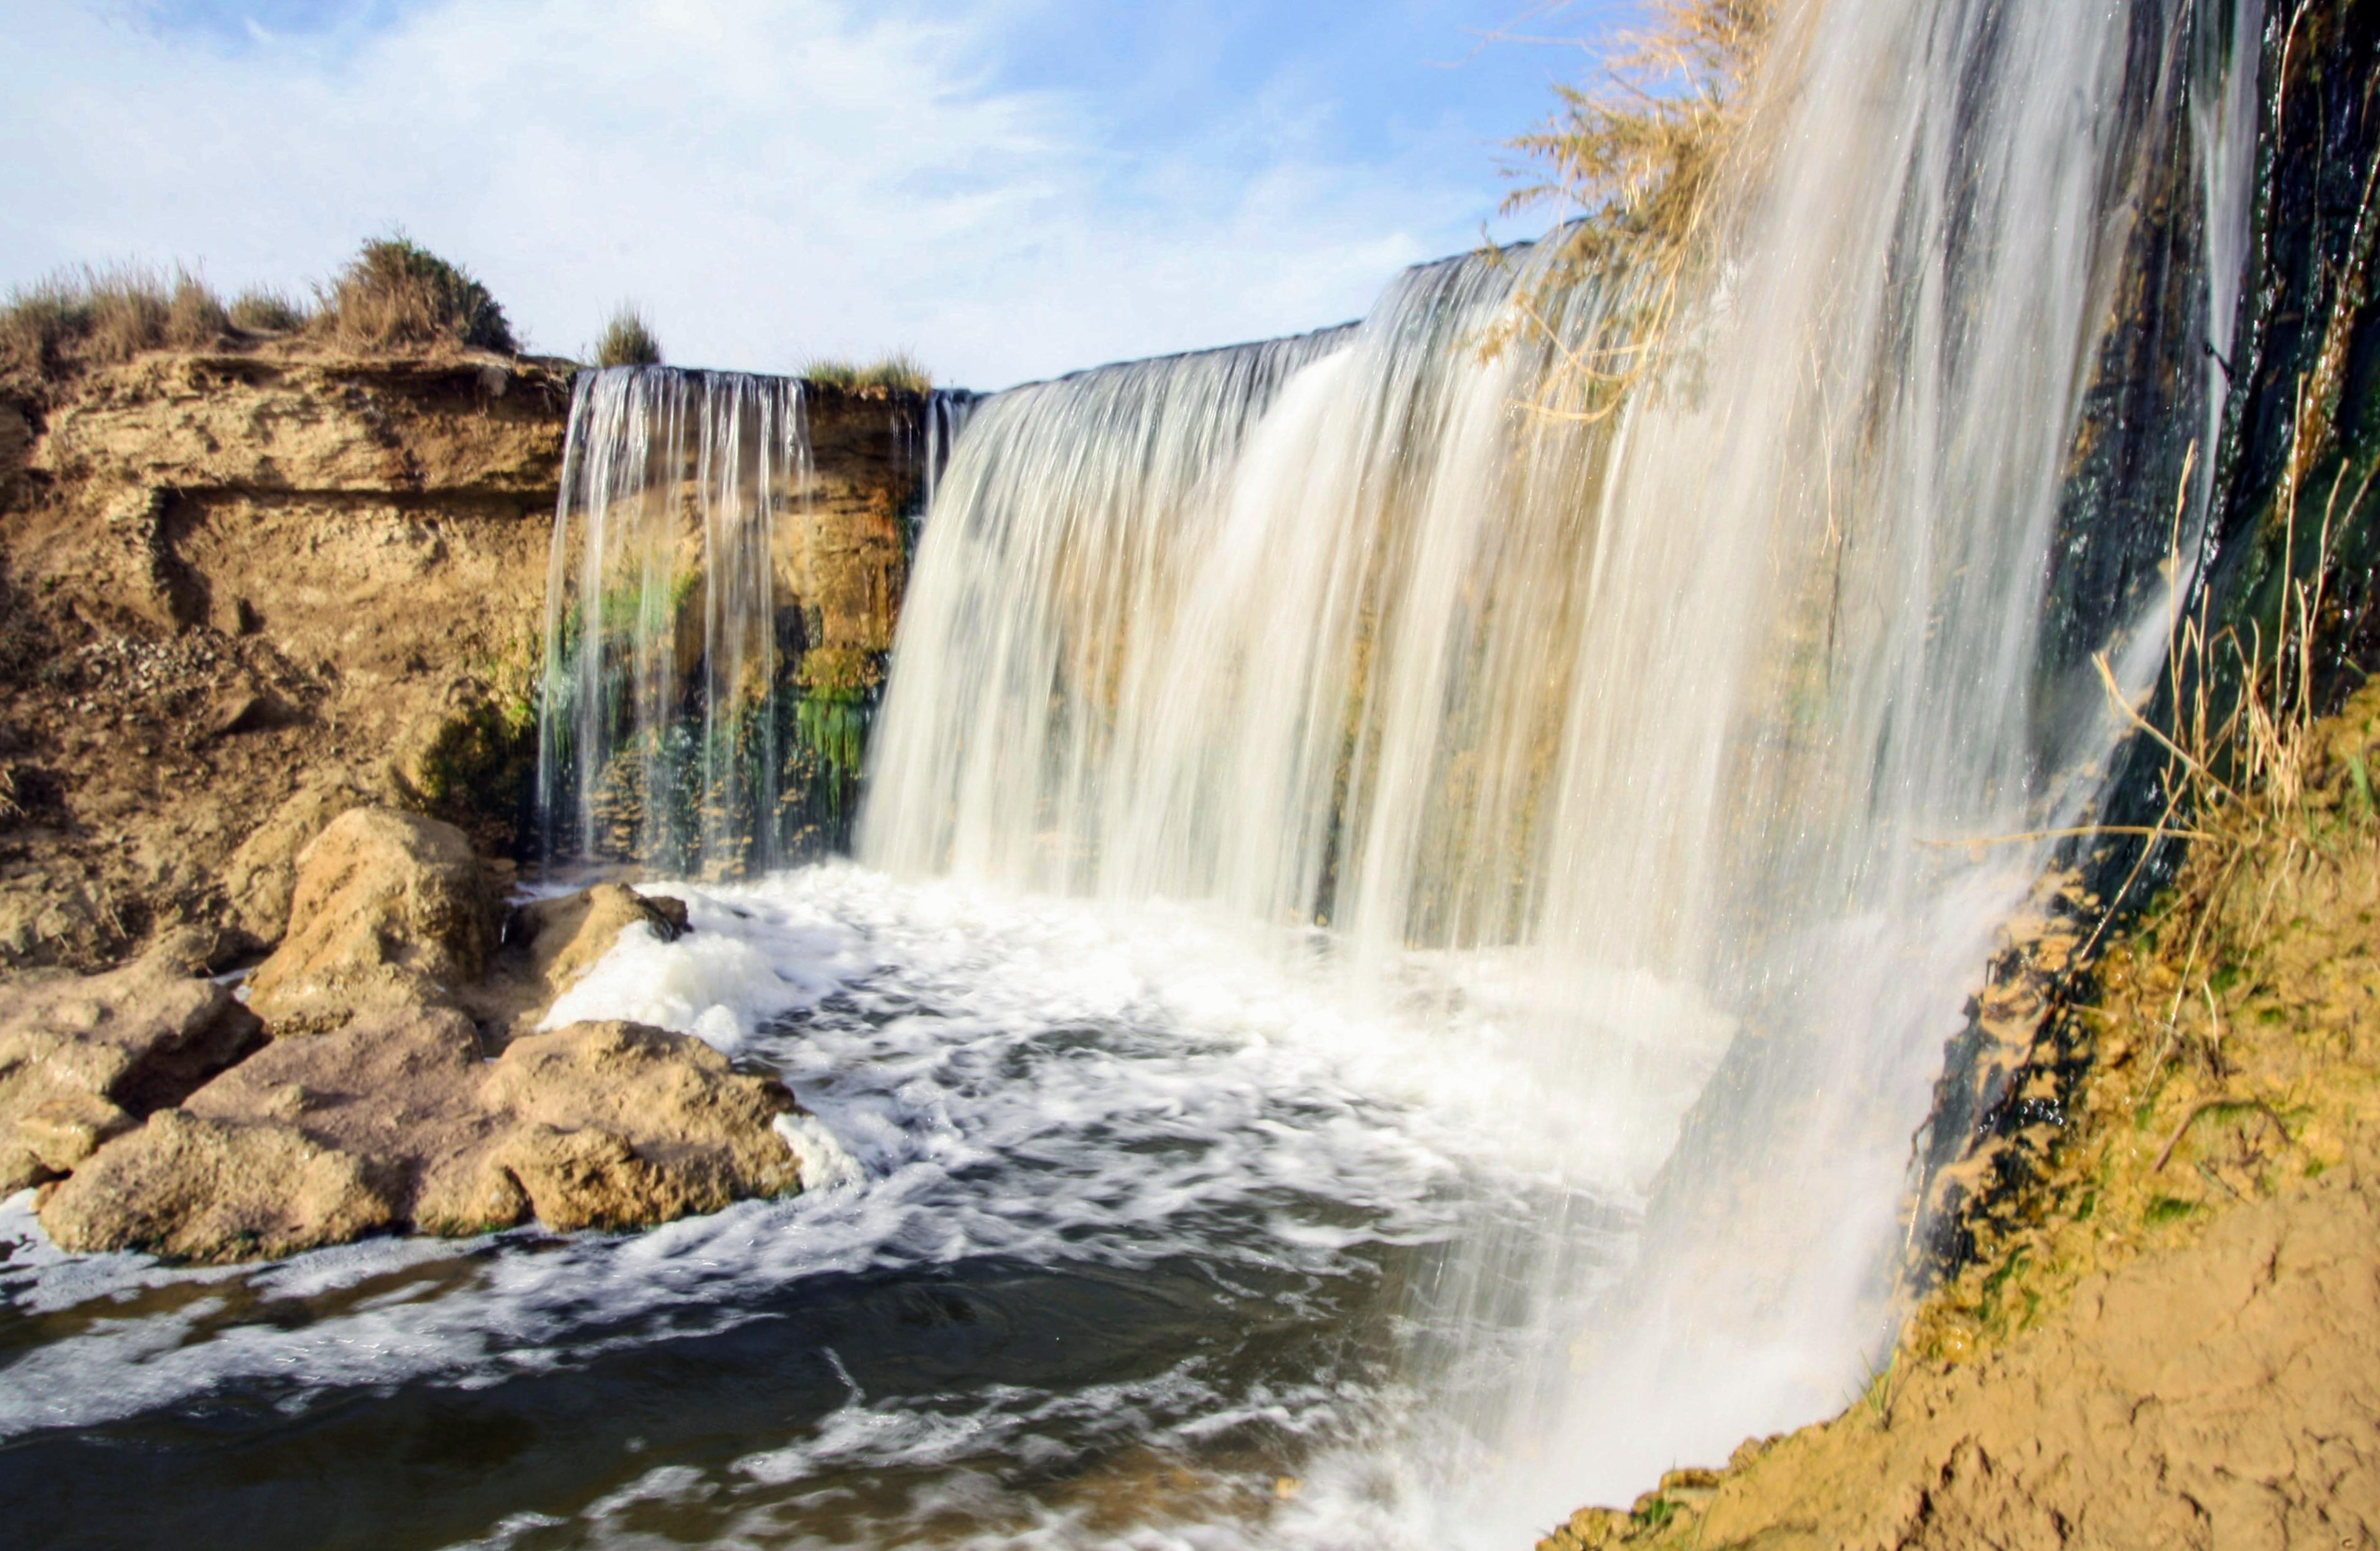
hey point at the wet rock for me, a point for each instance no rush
(566, 936)
(550, 943)
(389, 910)
(84, 1057)
(404, 1126)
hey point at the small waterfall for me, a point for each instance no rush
(717, 611)
(666, 706)
(1726, 715)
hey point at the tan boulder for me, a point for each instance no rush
(263, 874)
(598, 1125)
(389, 910)
(550, 943)
(565, 937)
(201, 1189)
(694, 1133)
(84, 1057)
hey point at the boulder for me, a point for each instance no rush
(199, 1190)
(550, 943)
(564, 937)
(692, 1132)
(389, 910)
(85, 1057)
(263, 874)
(395, 1121)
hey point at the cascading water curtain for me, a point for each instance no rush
(665, 705)
(1715, 723)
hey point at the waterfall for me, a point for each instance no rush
(1726, 715)
(711, 608)
(662, 713)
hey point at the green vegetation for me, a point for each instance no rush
(395, 294)
(627, 340)
(478, 770)
(898, 372)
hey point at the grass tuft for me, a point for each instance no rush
(898, 372)
(264, 309)
(627, 340)
(1633, 165)
(395, 294)
(94, 316)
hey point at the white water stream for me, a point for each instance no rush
(1672, 714)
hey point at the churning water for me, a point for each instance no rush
(1405, 932)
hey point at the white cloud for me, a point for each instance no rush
(774, 182)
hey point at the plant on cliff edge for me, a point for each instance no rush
(398, 293)
(263, 310)
(897, 372)
(627, 340)
(100, 315)
(1634, 162)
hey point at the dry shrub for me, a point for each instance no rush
(94, 316)
(395, 294)
(194, 315)
(1634, 162)
(263, 310)
(627, 340)
(2246, 757)
(897, 372)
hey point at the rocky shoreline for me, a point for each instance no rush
(355, 1091)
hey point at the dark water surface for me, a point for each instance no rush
(1130, 1250)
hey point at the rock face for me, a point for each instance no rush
(83, 1059)
(389, 910)
(240, 591)
(395, 1121)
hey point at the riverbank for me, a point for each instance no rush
(2169, 1332)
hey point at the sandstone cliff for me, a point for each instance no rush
(242, 590)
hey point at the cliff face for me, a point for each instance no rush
(242, 591)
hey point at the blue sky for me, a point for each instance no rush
(1008, 188)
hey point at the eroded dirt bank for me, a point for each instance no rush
(271, 619)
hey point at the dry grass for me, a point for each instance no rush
(2217, 1067)
(397, 294)
(898, 372)
(392, 296)
(264, 309)
(94, 316)
(627, 340)
(1633, 164)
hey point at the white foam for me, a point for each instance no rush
(822, 1160)
(955, 1114)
